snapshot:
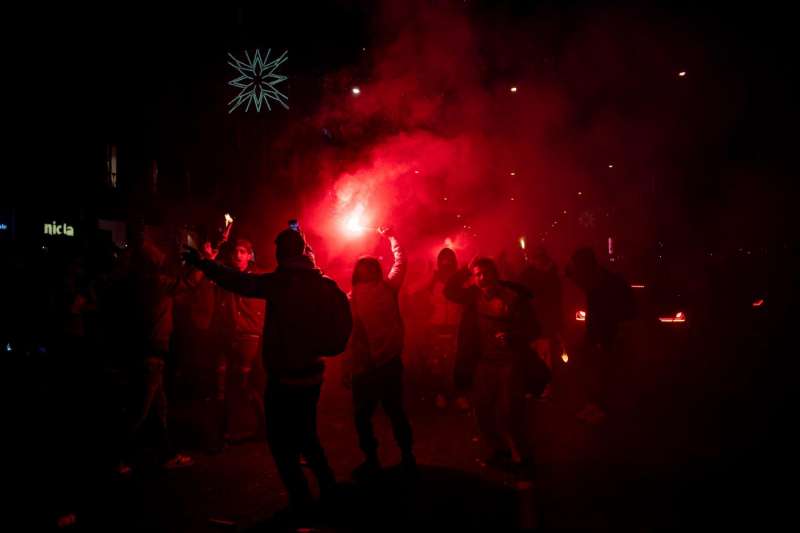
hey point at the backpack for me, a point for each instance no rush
(335, 319)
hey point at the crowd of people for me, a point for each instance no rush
(259, 341)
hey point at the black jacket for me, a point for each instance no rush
(294, 293)
(523, 330)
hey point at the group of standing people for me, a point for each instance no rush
(489, 339)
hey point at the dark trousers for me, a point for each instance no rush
(240, 386)
(441, 357)
(291, 426)
(499, 399)
(382, 385)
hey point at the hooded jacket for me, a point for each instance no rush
(294, 293)
(377, 325)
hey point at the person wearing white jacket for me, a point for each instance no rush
(374, 366)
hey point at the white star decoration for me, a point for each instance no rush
(257, 81)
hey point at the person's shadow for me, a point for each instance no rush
(434, 498)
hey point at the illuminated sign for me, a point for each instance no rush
(59, 229)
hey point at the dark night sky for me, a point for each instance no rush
(152, 80)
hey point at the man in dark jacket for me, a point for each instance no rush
(154, 282)
(441, 331)
(497, 329)
(237, 324)
(297, 295)
(609, 303)
(541, 277)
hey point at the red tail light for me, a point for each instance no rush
(580, 316)
(637, 286)
(758, 303)
(677, 318)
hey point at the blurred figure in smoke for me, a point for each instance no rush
(155, 283)
(374, 366)
(442, 330)
(610, 302)
(541, 277)
(198, 340)
(238, 323)
(309, 317)
(497, 331)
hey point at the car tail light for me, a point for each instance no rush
(677, 318)
(580, 316)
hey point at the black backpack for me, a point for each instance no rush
(335, 320)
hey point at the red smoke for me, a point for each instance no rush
(437, 144)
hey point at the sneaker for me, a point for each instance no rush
(366, 470)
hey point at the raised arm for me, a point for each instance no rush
(249, 285)
(400, 266)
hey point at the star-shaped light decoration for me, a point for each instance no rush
(257, 81)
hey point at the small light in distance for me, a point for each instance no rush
(758, 303)
(580, 316)
(682, 74)
(611, 165)
(356, 91)
(512, 173)
(565, 357)
(514, 89)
